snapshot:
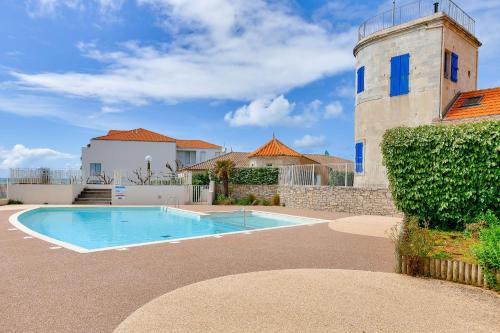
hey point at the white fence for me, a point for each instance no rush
(48, 176)
(198, 193)
(45, 176)
(317, 174)
(3, 190)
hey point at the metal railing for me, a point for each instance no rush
(414, 10)
(199, 193)
(4, 188)
(45, 176)
(341, 174)
(143, 177)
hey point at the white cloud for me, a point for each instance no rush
(43, 8)
(28, 105)
(220, 49)
(265, 112)
(110, 109)
(333, 110)
(310, 141)
(21, 156)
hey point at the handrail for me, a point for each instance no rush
(414, 10)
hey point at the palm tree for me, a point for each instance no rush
(223, 170)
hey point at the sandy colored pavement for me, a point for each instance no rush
(368, 225)
(58, 290)
(313, 300)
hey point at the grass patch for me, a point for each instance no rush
(453, 245)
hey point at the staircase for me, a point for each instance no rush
(92, 196)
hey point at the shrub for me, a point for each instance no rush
(252, 198)
(275, 200)
(201, 178)
(487, 252)
(255, 176)
(412, 241)
(223, 200)
(444, 174)
(14, 202)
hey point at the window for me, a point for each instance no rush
(361, 79)
(95, 169)
(454, 67)
(359, 157)
(203, 156)
(471, 101)
(400, 72)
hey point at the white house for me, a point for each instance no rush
(128, 151)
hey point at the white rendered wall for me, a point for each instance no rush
(152, 195)
(127, 155)
(45, 194)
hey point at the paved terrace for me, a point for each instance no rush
(46, 290)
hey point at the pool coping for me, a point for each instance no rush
(13, 219)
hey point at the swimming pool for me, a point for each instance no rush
(86, 229)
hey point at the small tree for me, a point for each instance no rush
(223, 170)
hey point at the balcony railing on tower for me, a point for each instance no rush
(415, 10)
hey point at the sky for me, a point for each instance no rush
(231, 72)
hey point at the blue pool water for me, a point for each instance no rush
(102, 227)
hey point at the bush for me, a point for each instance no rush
(275, 200)
(14, 202)
(221, 199)
(255, 176)
(412, 241)
(488, 253)
(252, 198)
(444, 175)
(201, 178)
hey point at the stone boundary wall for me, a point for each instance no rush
(355, 200)
(260, 191)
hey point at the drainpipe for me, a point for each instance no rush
(393, 11)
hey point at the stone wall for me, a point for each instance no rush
(260, 191)
(355, 200)
(362, 201)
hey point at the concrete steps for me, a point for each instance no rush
(94, 197)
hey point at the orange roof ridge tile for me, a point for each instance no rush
(274, 147)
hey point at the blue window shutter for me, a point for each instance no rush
(395, 75)
(454, 67)
(359, 157)
(404, 84)
(361, 79)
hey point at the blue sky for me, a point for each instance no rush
(229, 72)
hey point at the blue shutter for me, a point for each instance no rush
(454, 67)
(359, 157)
(395, 75)
(361, 79)
(405, 73)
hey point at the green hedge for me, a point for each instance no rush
(444, 175)
(252, 176)
(201, 178)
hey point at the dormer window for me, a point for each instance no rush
(471, 101)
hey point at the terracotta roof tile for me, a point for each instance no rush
(139, 134)
(241, 160)
(200, 144)
(274, 148)
(488, 106)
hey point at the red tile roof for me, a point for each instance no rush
(200, 144)
(241, 160)
(488, 106)
(141, 134)
(274, 148)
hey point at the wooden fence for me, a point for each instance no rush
(449, 270)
